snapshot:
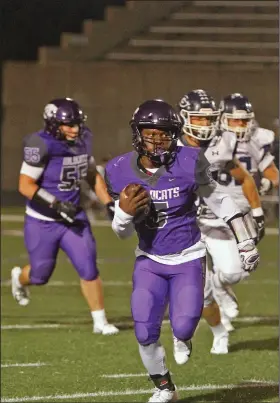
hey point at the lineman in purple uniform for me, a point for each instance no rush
(170, 256)
(56, 159)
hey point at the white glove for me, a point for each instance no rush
(266, 186)
(249, 255)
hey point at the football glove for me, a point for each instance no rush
(66, 210)
(249, 255)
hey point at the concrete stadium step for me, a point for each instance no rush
(139, 42)
(229, 10)
(199, 36)
(192, 58)
(192, 50)
(250, 16)
(236, 3)
(216, 37)
(213, 30)
(222, 23)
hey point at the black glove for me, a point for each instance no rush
(110, 207)
(260, 225)
(66, 210)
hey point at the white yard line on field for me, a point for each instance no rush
(7, 283)
(112, 283)
(132, 392)
(21, 364)
(142, 374)
(244, 319)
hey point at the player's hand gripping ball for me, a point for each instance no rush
(135, 201)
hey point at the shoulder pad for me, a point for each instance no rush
(263, 137)
(35, 150)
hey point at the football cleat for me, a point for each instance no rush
(19, 292)
(164, 395)
(220, 344)
(106, 330)
(181, 350)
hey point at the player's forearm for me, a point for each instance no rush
(27, 187)
(100, 189)
(251, 193)
(271, 173)
(122, 223)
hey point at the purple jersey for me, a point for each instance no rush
(171, 226)
(64, 166)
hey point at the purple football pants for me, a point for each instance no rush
(154, 286)
(43, 239)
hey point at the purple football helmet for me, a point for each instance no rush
(62, 111)
(156, 114)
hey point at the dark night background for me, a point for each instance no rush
(27, 24)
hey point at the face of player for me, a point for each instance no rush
(156, 141)
(70, 132)
(235, 123)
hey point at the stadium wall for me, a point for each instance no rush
(109, 92)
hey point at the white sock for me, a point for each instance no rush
(218, 330)
(153, 358)
(18, 284)
(99, 318)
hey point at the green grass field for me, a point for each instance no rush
(77, 366)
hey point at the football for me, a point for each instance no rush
(144, 213)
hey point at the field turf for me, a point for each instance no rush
(54, 332)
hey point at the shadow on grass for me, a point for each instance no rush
(271, 344)
(257, 392)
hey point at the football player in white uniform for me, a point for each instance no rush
(253, 151)
(200, 116)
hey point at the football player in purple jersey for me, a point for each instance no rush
(56, 159)
(170, 256)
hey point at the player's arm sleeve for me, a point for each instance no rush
(264, 140)
(35, 156)
(266, 159)
(122, 223)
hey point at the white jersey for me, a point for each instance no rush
(255, 156)
(220, 150)
(219, 153)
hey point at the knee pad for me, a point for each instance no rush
(230, 278)
(89, 272)
(145, 316)
(184, 327)
(146, 333)
(41, 273)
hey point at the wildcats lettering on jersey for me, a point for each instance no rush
(75, 160)
(165, 194)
